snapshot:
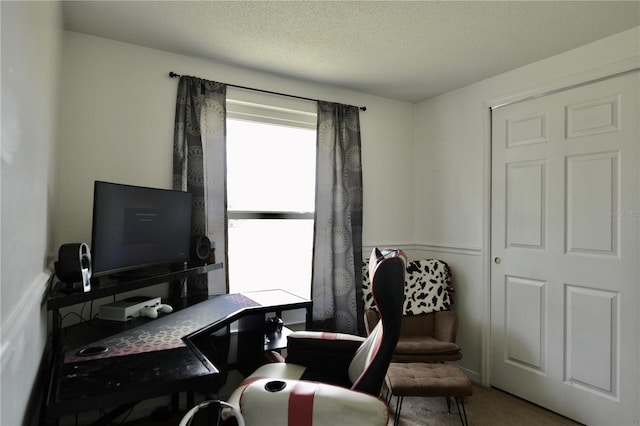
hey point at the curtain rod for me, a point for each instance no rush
(174, 75)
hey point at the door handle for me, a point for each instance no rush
(497, 260)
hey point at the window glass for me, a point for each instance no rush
(270, 200)
(270, 167)
(270, 253)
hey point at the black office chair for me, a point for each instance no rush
(338, 375)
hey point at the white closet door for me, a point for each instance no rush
(565, 238)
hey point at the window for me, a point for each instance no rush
(271, 158)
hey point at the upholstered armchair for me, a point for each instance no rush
(332, 378)
(429, 327)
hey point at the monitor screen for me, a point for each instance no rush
(136, 227)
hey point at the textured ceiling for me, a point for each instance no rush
(401, 50)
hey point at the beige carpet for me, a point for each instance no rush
(486, 407)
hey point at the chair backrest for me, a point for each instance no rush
(369, 365)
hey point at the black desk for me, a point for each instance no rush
(164, 356)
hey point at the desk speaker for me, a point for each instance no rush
(200, 249)
(74, 266)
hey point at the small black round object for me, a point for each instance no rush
(273, 325)
(91, 350)
(275, 386)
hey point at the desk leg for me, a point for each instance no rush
(108, 418)
(175, 403)
(191, 399)
(250, 343)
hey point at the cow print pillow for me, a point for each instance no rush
(427, 287)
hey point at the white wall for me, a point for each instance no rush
(452, 143)
(31, 41)
(118, 108)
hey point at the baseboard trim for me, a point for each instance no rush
(21, 315)
(449, 248)
(434, 247)
(366, 250)
(24, 354)
(474, 376)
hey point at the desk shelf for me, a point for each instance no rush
(277, 341)
(106, 286)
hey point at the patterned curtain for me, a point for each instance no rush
(199, 164)
(337, 259)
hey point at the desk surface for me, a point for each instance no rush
(105, 383)
(148, 360)
(169, 331)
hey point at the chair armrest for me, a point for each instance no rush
(337, 349)
(446, 326)
(302, 402)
